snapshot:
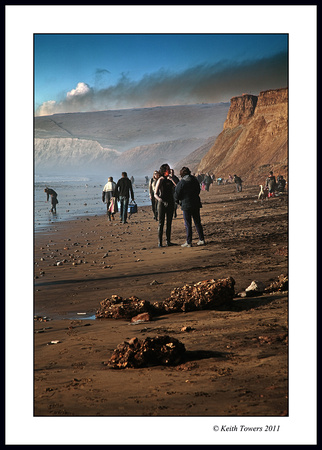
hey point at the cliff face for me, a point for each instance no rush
(240, 111)
(135, 140)
(254, 139)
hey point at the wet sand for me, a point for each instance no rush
(236, 361)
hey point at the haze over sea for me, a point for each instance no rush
(78, 196)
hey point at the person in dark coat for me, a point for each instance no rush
(271, 184)
(176, 180)
(165, 196)
(238, 182)
(280, 184)
(123, 190)
(187, 195)
(207, 181)
(50, 192)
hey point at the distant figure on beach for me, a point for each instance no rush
(238, 182)
(281, 183)
(146, 180)
(271, 184)
(200, 177)
(108, 197)
(123, 190)
(164, 195)
(132, 179)
(187, 195)
(207, 181)
(53, 195)
(154, 201)
(176, 180)
(263, 193)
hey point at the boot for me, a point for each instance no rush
(160, 232)
(168, 233)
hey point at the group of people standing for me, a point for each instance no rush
(166, 192)
(205, 180)
(118, 192)
(274, 185)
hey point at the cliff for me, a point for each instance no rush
(254, 139)
(135, 140)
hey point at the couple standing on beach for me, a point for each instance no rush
(114, 192)
(169, 191)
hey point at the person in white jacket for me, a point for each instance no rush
(154, 202)
(108, 197)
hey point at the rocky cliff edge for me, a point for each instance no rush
(254, 139)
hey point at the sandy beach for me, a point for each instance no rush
(236, 361)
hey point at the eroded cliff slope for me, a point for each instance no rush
(135, 140)
(254, 139)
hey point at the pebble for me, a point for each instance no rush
(53, 342)
(187, 328)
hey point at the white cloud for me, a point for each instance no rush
(47, 108)
(81, 89)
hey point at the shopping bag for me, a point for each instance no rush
(133, 207)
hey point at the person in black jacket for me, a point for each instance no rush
(187, 195)
(238, 182)
(280, 187)
(164, 194)
(176, 180)
(123, 190)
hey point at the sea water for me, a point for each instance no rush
(77, 197)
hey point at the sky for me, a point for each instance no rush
(95, 72)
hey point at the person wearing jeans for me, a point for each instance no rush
(123, 190)
(187, 195)
(188, 215)
(124, 204)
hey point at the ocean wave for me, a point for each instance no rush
(60, 178)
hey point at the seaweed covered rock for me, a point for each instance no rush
(136, 353)
(118, 308)
(281, 284)
(209, 294)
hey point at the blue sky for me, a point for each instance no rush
(88, 72)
